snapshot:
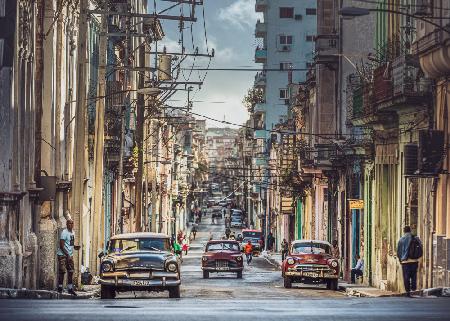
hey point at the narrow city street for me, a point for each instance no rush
(311, 134)
(224, 297)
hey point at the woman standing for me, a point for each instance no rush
(185, 245)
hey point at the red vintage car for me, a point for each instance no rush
(222, 256)
(310, 262)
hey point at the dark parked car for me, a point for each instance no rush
(222, 256)
(139, 262)
(254, 236)
(310, 262)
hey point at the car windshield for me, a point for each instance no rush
(311, 247)
(251, 234)
(132, 245)
(225, 246)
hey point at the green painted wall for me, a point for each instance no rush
(298, 220)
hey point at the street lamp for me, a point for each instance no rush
(352, 12)
(151, 91)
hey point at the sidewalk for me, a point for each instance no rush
(357, 290)
(7, 293)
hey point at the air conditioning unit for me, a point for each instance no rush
(298, 17)
(431, 151)
(286, 48)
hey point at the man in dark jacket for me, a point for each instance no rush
(409, 265)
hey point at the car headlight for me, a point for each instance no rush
(334, 264)
(172, 267)
(204, 258)
(239, 258)
(107, 267)
(290, 261)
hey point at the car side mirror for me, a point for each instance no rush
(101, 254)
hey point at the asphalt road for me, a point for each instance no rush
(260, 294)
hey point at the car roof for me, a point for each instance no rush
(223, 241)
(139, 235)
(309, 241)
(247, 230)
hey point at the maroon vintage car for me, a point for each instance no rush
(222, 256)
(310, 261)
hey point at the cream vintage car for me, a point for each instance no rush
(139, 262)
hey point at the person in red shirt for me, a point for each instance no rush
(248, 250)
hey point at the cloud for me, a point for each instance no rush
(240, 14)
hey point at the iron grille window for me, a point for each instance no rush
(285, 40)
(311, 11)
(286, 12)
(284, 93)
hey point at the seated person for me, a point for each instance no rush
(358, 270)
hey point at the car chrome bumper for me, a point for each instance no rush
(214, 269)
(153, 279)
(312, 275)
(163, 282)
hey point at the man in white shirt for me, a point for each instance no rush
(65, 257)
(358, 270)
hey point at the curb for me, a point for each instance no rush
(6, 293)
(272, 261)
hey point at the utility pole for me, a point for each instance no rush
(78, 174)
(139, 142)
(97, 227)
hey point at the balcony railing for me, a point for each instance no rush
(405, 78)
(382, 83)
(261, 5)
(260, 29)
(260, 79)
(327, 48)
(260, 55)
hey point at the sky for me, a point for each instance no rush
(230, 26)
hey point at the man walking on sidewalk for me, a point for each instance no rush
(409, 251)
(65, 257)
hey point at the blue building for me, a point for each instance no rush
(285, 47)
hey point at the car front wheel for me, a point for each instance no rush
(174, 292)
(107, 292)
(239, 274)
(287, 282)
(205, 274)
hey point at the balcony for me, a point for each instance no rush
(260, 55)
(434, 51)
(327, 49)
(260, 29)
(260, 133)
(260, 80)
(261, 5)
(259, 108)
(382, 85)
(404, 85)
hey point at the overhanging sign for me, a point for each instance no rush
(356, 204)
